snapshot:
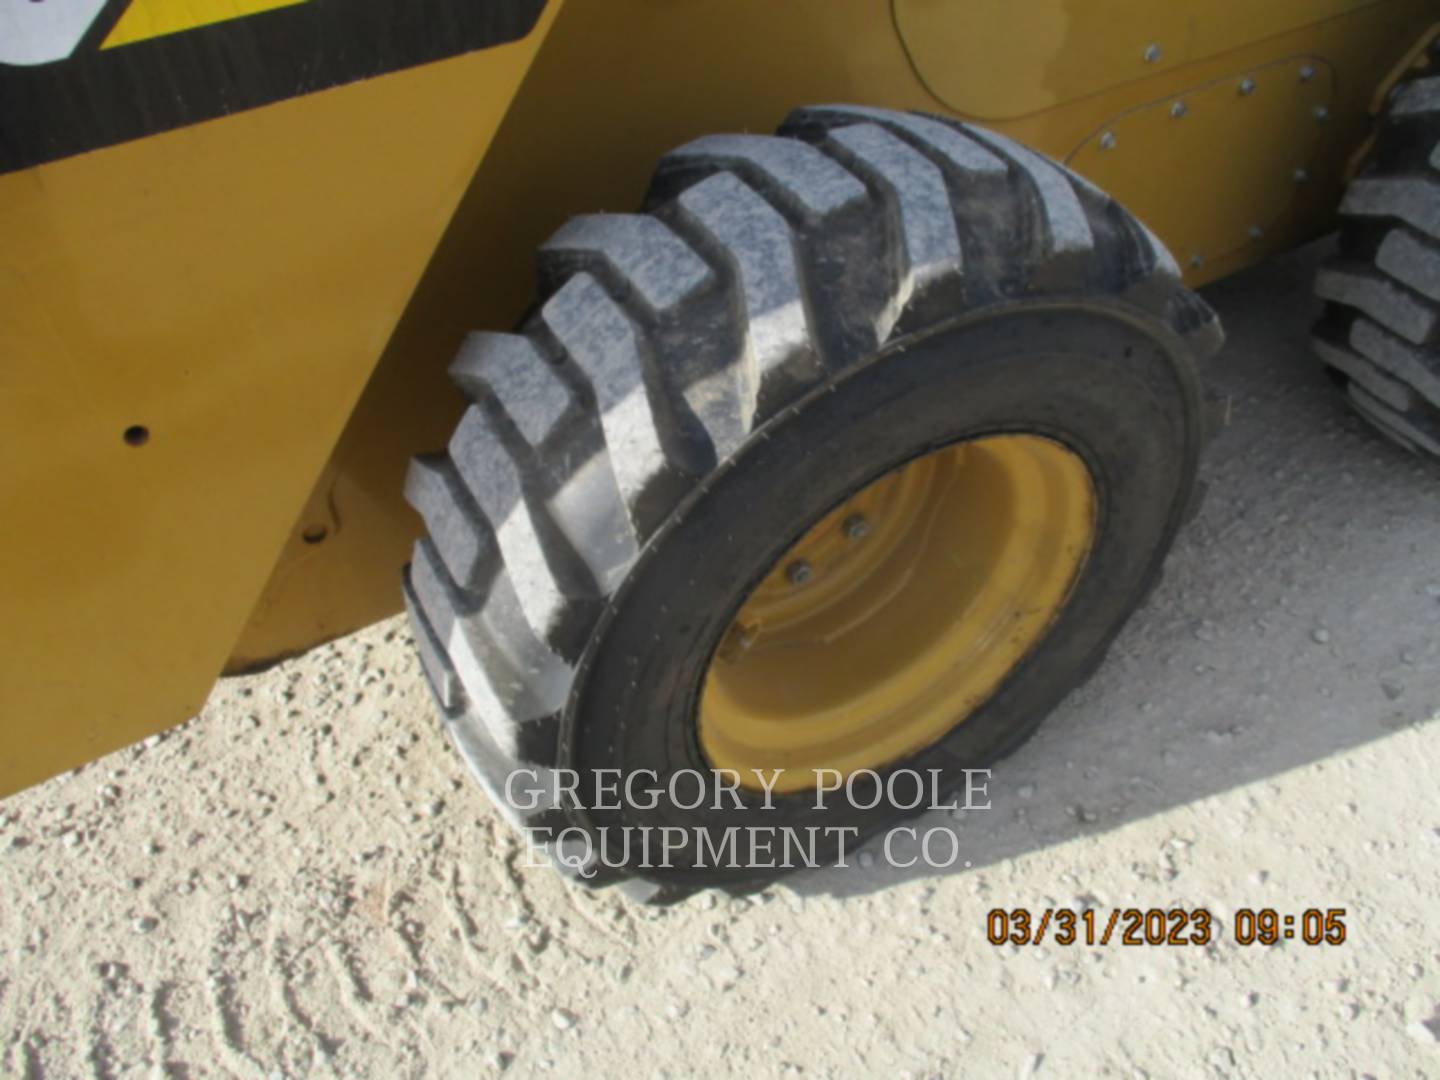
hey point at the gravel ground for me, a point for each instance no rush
(303, 882)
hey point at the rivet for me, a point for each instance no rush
(1301, 175)
(856, 527)
(799, 572)
(1307, 73)
(1152, 53)
(1322, 113)
(1179, 109)
(1247, 87)
(1107, 141)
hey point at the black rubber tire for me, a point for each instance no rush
(792, 317)
(1380, 333)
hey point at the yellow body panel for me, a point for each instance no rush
(241, 287)
(227, 286)
(1001, 59)
(1273, 122)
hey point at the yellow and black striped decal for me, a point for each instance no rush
(77, 75)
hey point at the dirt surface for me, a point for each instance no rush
(303, 881)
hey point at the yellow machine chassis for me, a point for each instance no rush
(220, 344)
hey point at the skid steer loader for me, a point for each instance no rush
(854, 406)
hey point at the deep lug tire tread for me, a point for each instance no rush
(1380, 333)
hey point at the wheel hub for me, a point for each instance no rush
(899, 613)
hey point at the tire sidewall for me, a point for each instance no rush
(1110, 383)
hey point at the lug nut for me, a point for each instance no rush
(799, 572)
(856, 527)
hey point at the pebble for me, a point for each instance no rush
(1320, 635)
(1026, 791)
(866, 860)
(145, 924)
(562, 1019)
(1423, 1032)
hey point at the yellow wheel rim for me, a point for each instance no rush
(899, 613)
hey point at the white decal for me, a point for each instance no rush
(40, 31)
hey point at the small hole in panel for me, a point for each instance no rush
(136, 435)
(313, 534)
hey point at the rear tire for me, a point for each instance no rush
(791, 318)
(1380, 334)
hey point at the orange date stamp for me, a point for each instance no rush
(1161, 926)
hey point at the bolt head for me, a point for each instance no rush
(1107, 141)
(1179, 109)
(1322, 113)
(1247, 87)
(1152, 53)
(1197, 260)
(799, 572)
(856, 527)
(1307, 73)
(1256, 232)
(1301, 175)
